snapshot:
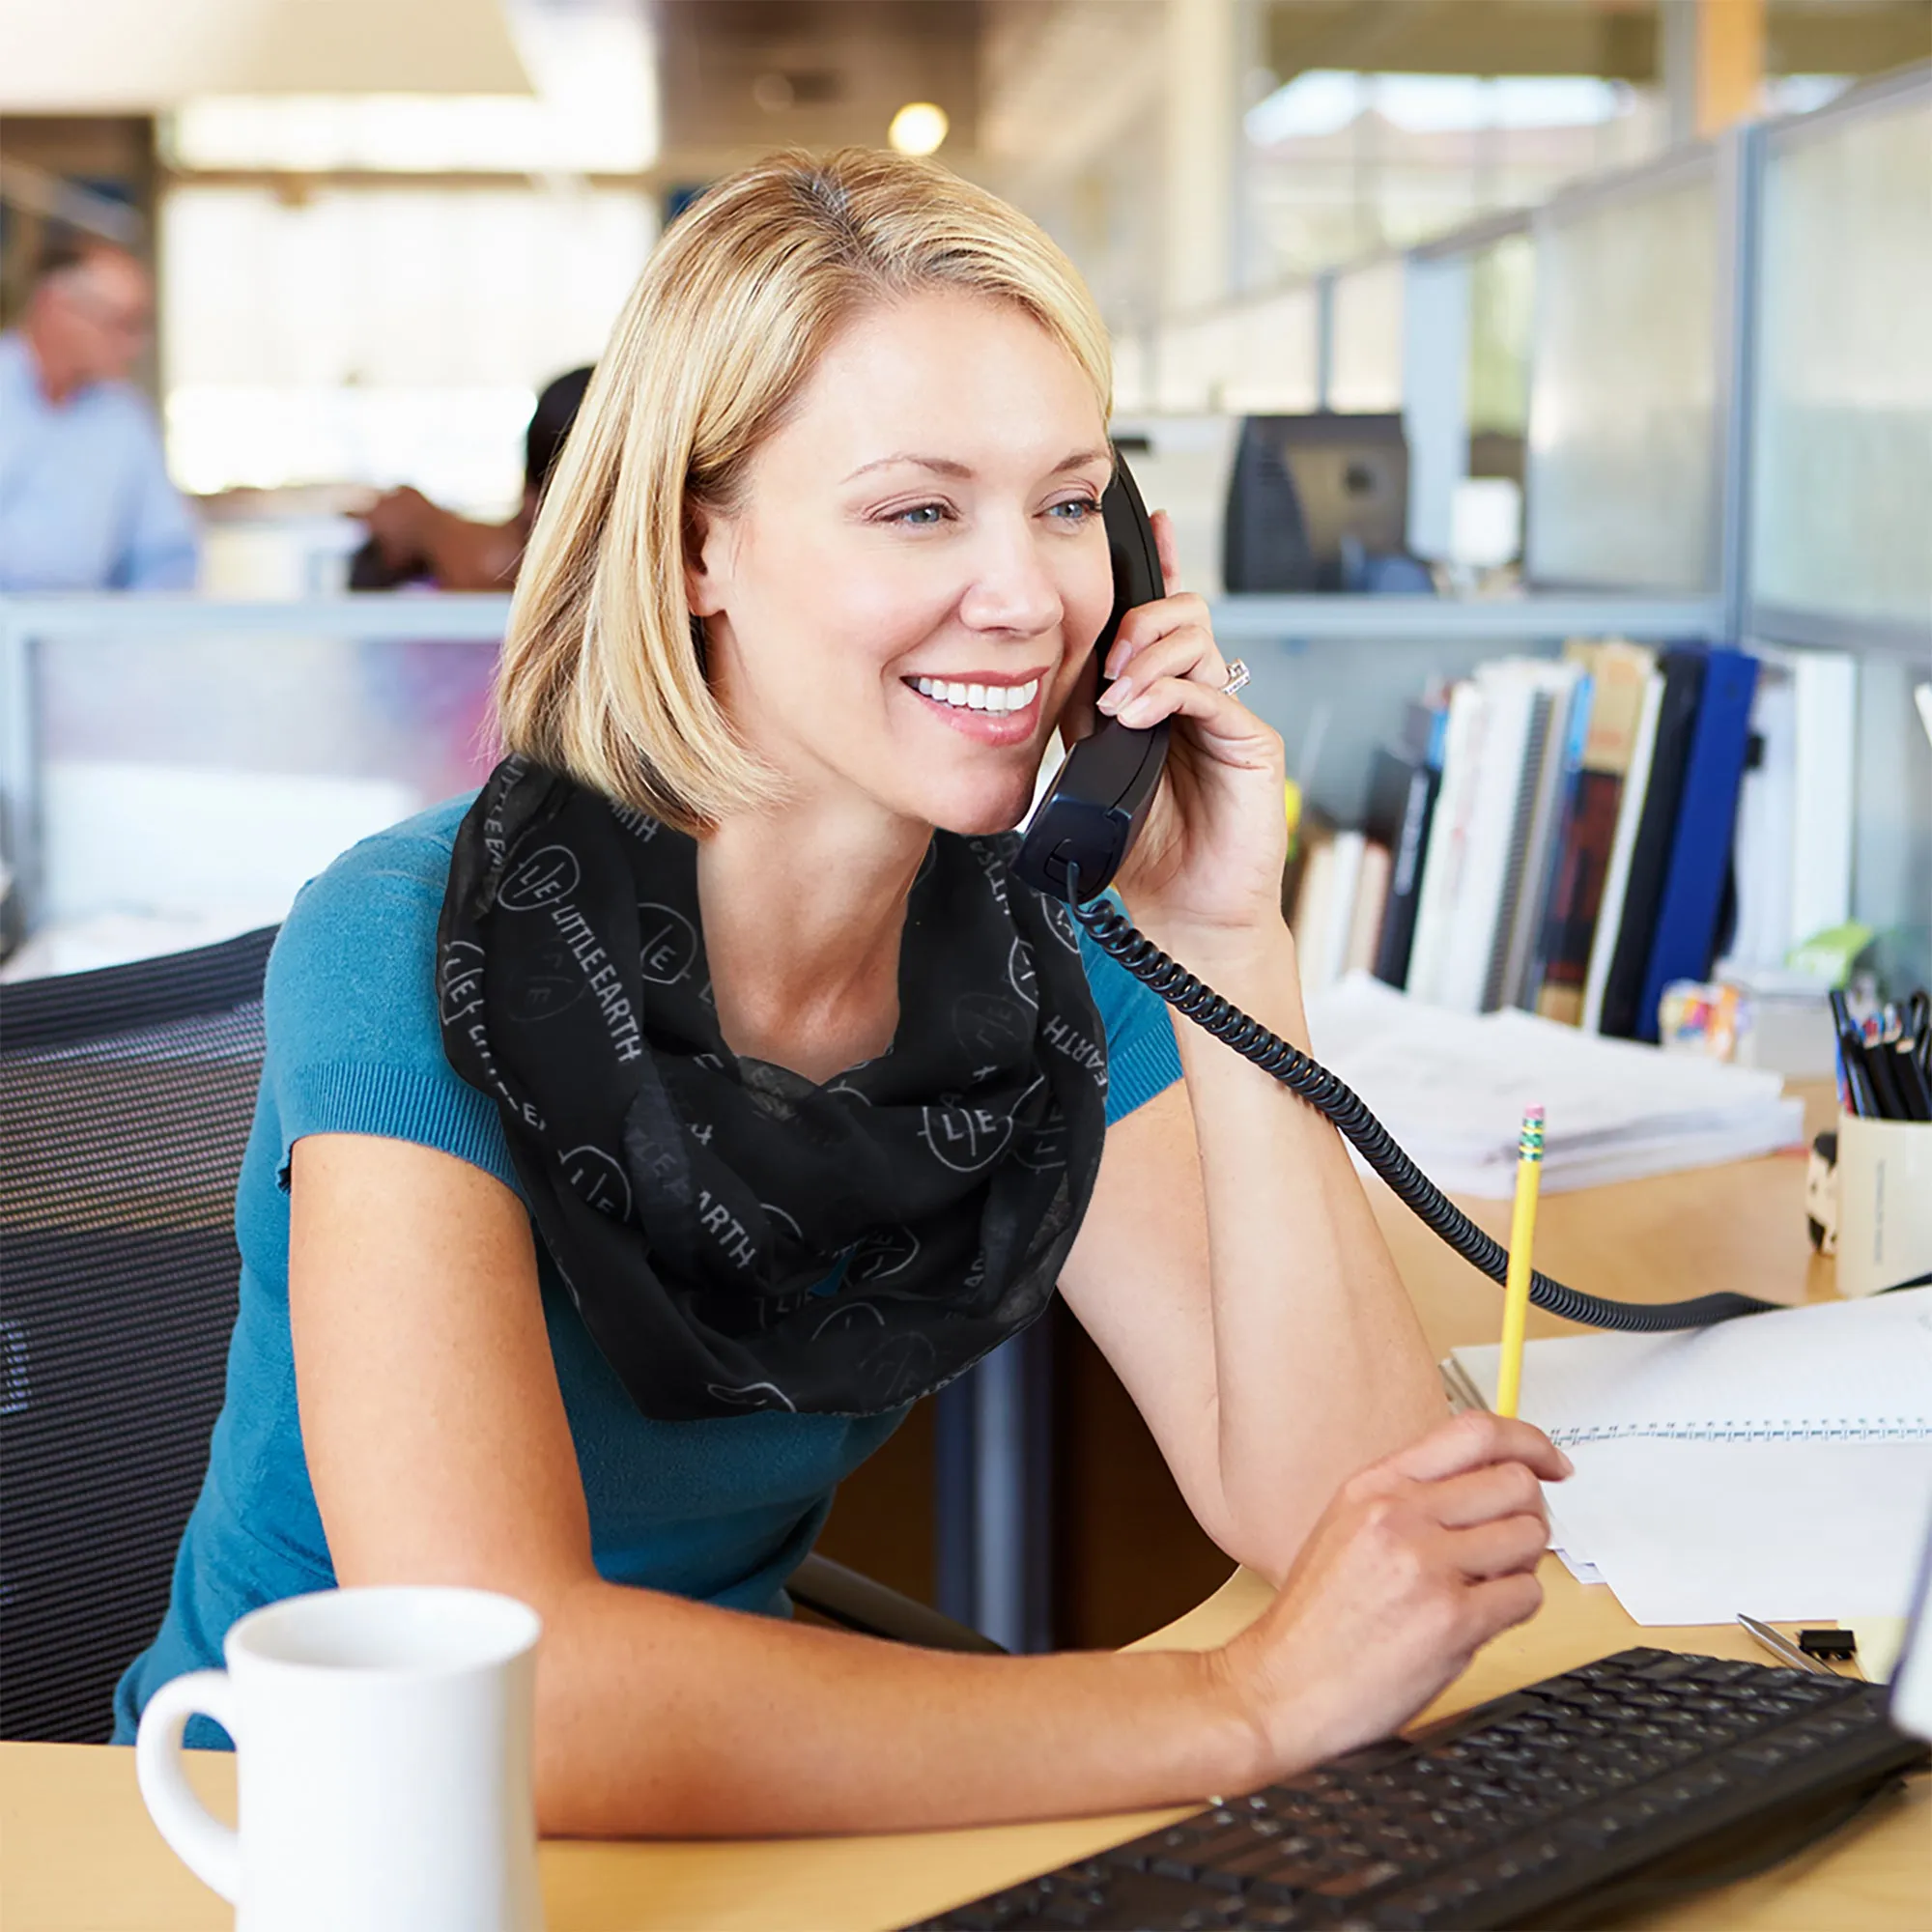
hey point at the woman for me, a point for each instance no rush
(744, 1097)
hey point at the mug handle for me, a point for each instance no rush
(209, 1849)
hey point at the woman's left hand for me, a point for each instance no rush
(1210, 858)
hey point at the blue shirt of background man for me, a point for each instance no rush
(85, 500)
(721, 1510)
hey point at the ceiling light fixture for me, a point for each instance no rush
(918, 128)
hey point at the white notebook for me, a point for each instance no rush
(1780, 1464)
(1832, 1372)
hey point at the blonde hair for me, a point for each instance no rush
(602, 673)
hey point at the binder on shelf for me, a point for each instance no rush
(1650, 854)
(1561, 755)
(1684, 940)
(1617, 673)
(1402, 798)
(1616, 879)
(1516, 849)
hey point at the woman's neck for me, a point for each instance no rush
(802, 910)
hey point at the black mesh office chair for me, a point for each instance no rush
(125, 1098)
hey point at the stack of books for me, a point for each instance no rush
(1570, 835)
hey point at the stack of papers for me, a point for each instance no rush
(1778, 1465)
(1452, 1086)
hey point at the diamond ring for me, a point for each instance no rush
(1238, 675)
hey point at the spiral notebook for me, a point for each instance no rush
(1780, 1464)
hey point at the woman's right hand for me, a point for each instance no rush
(1417, 1563)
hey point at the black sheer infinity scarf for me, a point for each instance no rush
(735, 1236)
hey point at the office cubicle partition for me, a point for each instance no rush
(1629, 381)
(172, 769)
(1838, 549)
(1841, 499)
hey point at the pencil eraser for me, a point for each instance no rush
(1828, 1644)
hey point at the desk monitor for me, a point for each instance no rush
(1311, 498)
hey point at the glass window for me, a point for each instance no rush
(1843, 491)
(378, 334)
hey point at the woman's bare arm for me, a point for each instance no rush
(440, 1451)
(1233, 1275)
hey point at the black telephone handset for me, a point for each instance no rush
(1083, 826)
(1092, 813)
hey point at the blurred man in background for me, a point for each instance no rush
(85, 499)
(413, 540)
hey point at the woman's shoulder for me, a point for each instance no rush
(355, 1041)
(361, 934)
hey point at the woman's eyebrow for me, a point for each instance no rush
(946, 466)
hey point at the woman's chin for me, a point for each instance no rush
(976, 810)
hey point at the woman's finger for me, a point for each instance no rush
(1169, 551)
(1146, 624)
(1476, 1439)
(1484, 1496)
(1187, 653)
(1225, 723)
(1501, 1548)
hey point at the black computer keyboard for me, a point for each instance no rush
(1630, 1778)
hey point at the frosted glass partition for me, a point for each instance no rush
(1275, 355)
(175, 784)
(1841, 519)
(1365, 338)
(1623, 486)
(1503, 295)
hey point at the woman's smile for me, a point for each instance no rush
(991, 707)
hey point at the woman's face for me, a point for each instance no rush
(916, 572)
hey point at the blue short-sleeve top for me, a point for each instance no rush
(720, 1509)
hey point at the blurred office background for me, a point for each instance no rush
(1590, 319)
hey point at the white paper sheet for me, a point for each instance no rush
(1696, 1532)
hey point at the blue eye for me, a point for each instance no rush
(921, 516)
(1083, 507)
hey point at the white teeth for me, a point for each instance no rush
(995, 699)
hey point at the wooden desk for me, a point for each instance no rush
(78, 1855)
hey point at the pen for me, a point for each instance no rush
(1881, 1064)
(1852, 1057)
(1910, 1077)
(1523, 1238)
(1782, 1648)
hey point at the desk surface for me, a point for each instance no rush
(76, 1850)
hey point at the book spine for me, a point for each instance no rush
(1564, 811)
(1700, 853)
(1406, 878)
(1656, 829)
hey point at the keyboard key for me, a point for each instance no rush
(1364, 1878)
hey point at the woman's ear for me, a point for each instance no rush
(707, 562)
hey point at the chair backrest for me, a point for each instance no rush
(126, 1098)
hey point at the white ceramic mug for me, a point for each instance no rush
(384, 1779)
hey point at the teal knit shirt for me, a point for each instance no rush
(721, 1510)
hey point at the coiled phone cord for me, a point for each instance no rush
(1117, 936)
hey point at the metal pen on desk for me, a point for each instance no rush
(1781, 1647)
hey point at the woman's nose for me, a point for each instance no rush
(1011, 587)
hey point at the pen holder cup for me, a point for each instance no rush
(1884, 1203)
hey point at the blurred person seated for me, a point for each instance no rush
(85, 499)
(413, 540)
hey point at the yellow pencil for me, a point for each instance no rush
(1523, 1238)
